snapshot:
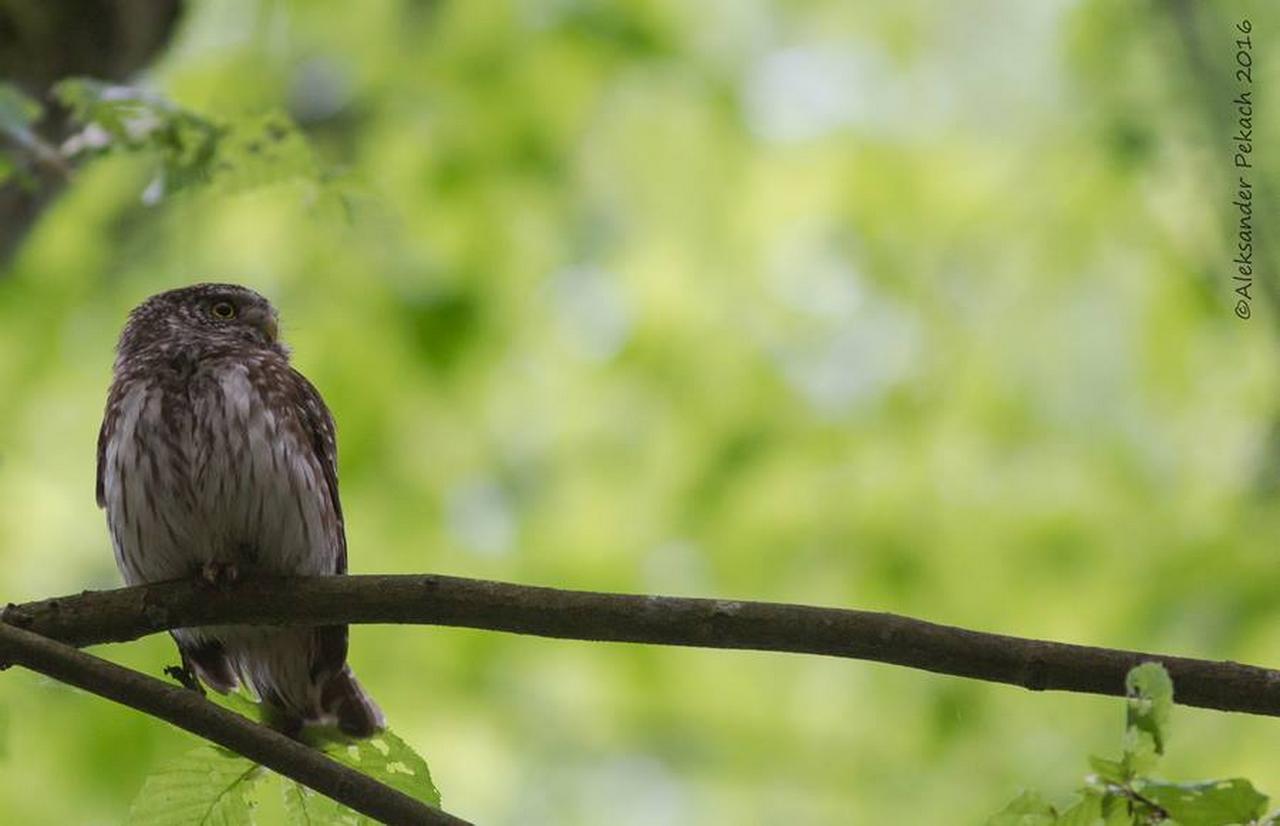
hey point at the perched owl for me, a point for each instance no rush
(216, 459)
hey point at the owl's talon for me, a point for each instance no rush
(183, 675)
(219, 574)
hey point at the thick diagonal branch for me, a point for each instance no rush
(188, 710)
(129, 613)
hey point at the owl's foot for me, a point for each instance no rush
(184, 675)
(275, 716)
(219, 574)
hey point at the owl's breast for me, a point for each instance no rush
(210, 471)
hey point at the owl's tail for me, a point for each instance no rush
(343, 698)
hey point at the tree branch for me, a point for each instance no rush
(129, 613)
(188, 710)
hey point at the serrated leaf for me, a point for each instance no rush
(1210, 803)
(1150, 702)
(1027, 809)
(386, 758)
(208, 786)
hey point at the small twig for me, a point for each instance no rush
(129, 613)
(44, 154)
(188, 710)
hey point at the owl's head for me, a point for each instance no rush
(202, 317)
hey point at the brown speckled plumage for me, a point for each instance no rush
(216, 456)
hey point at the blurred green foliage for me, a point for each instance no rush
(191, 149)
(913, 307)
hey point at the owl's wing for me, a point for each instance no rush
(341, 695)
(109, 416)
(317, 425)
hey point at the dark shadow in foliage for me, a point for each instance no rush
(43, 42)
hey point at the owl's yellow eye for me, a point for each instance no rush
(223, 309)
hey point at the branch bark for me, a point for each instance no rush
(129, 613)
(188, 710)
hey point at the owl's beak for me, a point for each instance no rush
(265, 321)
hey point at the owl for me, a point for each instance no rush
(218, 460)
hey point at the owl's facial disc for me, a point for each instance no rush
(200, 319)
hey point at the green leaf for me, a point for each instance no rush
(1211, 803)
(239, 703)
(1086, 812)
(385, 757)
(1110, 771)
(17, 111)
(17, 114)
(1150, 693)
(1116, 811)
(124, 117)
(123, 112)
(305, 807)
(1027, 809)
(1140, 753)
(208, 786)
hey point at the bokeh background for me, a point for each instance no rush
(918, 307)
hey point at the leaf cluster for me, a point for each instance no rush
(1125, 792)
(212, 786)
(190, 149)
